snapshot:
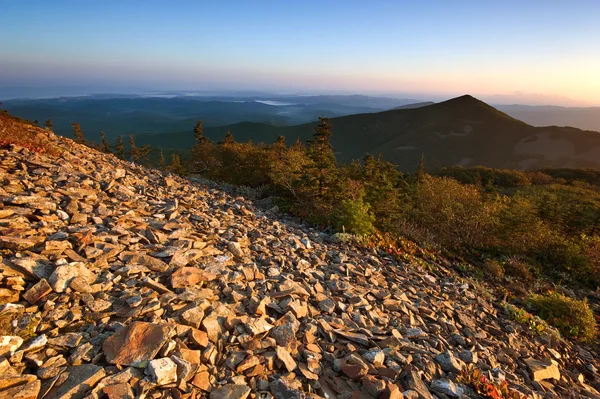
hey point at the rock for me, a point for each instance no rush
(193, 317)
(282, 388)
(119, 391)
(37, 292)
(9, 344)
(446, 387)
(235, 248)
(286, 358)
(28, 390)
(376, 357)
(80, 381)
(202, 381)
(468, 356)
(354, 367)
(163, 371)
(135, 344)
(412, 381)
(19, 244)
(543, 369)
(448, 362)
(415, 333)
(190, 276)
(392, 391)
(62, 275)
(230, 391)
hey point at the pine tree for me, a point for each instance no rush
(162, 161)
(199, 132)
(228, 139)
(176, 165)
(137, 153)
(105, 145)
(421, 169)
(323, 171)
(320, 149)
(36, 123)
(79, 137)
(202, 154)
(120, 148)
(48, 124)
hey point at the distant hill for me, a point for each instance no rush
(462, 131)
(549, 115)
(415, 105)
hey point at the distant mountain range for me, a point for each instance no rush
(462, 131)
(168, 113)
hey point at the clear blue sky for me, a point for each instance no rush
(447, 46)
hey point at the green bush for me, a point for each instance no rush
(354, 216)
(455, 214)
(572, 317)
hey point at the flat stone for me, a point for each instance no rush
(19, 244)
(154, 264)
(448, 362)
(29, 390)
(190, 276)
(286, 358)
(62, 275)
(37, 292)
(9, 344)
(80, 381)
(375, 356)
(202, 381)
(543, 369)
(119, 391)
(193, 317)
(135, 344)
(230, 391)
(412, 381)
(163, 371)
(446, 387)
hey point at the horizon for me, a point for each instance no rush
(509, 53)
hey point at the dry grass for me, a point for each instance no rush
(19, 132)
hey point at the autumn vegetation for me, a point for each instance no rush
(538, 226)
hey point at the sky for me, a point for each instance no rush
(545, 50)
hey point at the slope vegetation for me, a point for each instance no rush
(121, 281)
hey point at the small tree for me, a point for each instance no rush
(421, 169)
(137, 153)
(199, 132)
(176, 165)
(322, 172)
(202, 155)
(105, 145)
(228, 139)
(78, 133)
(162, 161)
(120, 148)
(48, 124)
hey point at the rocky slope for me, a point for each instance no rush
(120, 282)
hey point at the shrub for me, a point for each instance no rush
(456, 214)
(572, 317)
(493, 269)
(565, 259)
(515, 267)
(354, 216)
